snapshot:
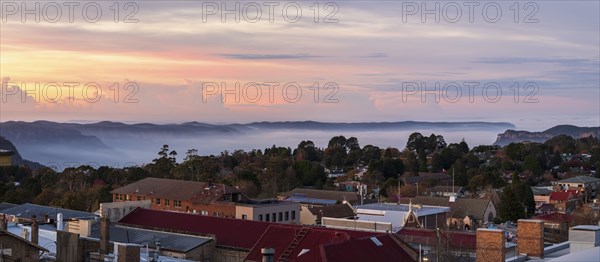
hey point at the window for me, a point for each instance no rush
(166, 202)
(259, 217)
(244, 217)
(274, 217)
(287, 215)
(294, 215)
(158, 201)
(176, 203)
(128, 197)
(139, 198)
(280, 216)
(204, 213)
(267, 218)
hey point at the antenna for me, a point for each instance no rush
(453, 181)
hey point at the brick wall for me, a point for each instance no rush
(531, 237)
(18, 248)
(490, 245)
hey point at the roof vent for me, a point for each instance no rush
(376, 241)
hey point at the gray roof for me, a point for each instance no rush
(28, 210)
(323, 194)
(579, 179)
(169, 241)
(5, 205)
(462, 207)
(335, 211)
(541, 190)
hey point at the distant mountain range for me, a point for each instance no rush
(17, 159)
(118, 144)
(513, 136)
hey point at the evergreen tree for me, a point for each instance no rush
(510, 209)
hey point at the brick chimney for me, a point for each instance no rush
(3, 222)
(35, 230)
(531, 237)
(128, 253)
(104, 236)
(490, 245)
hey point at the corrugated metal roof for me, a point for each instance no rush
(323, 194)
(169, 241)
(314, 201)
(28, 210)
(579, 179)
(5, 205)
(229, 232)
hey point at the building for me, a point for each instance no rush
(588, 186)
(209, 199)
(465, 213)
(114, 211)
(321, 197)
(401, 215)
(270, 210)
(564, 202)
(16, 248)
(556, 225)
(6, 157)
(541, 195)
(320, 244)
(312, 215)
(459, 243)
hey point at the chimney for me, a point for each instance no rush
(34, 230)
(46, 219)
(268, 254)
(104, 236)
(3, 222)
(490, 245)
(531, 237)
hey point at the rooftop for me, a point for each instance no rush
(579, 179)
(169, 241)
(335, 211)
(419, 210)
(460, 208)
(196, 192)
(299, 193)
(560, 196)
(28, 210)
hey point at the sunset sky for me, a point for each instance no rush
(370, 53)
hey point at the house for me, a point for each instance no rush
(209, 199)
(16, 248)
(6, 157)
(541, 195)
(465, 213)
(114, 211)
(564, 202)
(588, 186)
(401, 215)
(321, 197)
(321, 244)
(312, 215)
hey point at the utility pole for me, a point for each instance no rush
(437, 244)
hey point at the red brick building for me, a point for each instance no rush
(206, 198)
(184, 196)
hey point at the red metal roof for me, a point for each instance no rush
(560, 196)
(460, 240)
(326, 244)
(229, 232)
(367, 249)
(560, 218)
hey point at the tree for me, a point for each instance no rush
(509, 209)
(532, 164)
